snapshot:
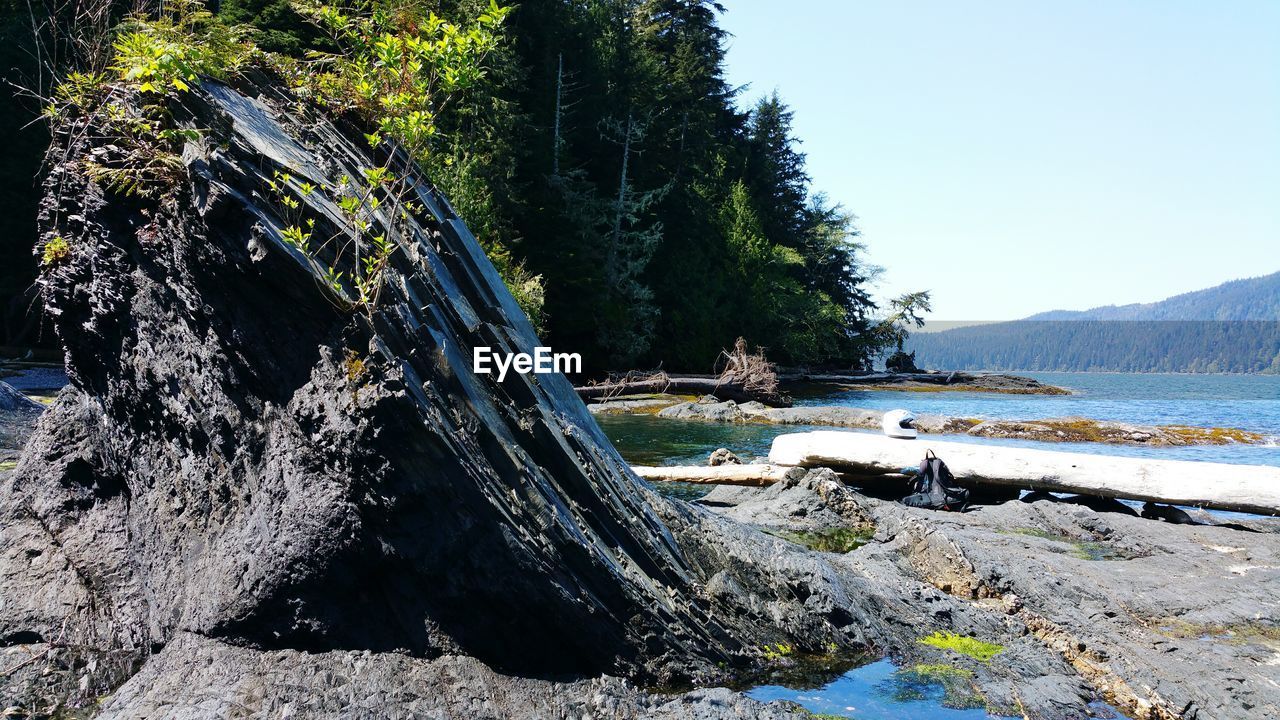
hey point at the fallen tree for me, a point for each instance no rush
(757, 475)
(722, 388)
(742, 376)
(1243, 488)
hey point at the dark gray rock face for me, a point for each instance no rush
(238, 457)
(196, 678)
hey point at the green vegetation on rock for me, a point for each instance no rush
(1237, 633)
(55, 252)
(1080, 549)
(967, 646)
(838, 540)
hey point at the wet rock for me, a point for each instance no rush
(723, 456)
(1116, 620)
(1091, 587)
(728, 495)
(715, 411)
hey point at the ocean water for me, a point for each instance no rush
(1248, 402)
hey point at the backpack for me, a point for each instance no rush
(935, 488)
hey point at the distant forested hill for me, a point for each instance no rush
(1249, 299)
(1233, 327)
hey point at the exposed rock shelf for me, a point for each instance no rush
(1169, 621)
(1070, 429)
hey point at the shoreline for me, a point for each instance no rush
(1063, 430)
(930, 381)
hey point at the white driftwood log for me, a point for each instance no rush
(1243, 488)
(755, 475)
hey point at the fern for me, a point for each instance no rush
(137, 177)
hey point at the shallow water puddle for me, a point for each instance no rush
(1082, 549)
(882, 690)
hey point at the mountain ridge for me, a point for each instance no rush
(1231, 327)
(1251, 298)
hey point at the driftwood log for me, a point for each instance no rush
(751, 475)
(1243, 488)
(725, 389)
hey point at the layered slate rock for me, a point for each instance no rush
(241, 455)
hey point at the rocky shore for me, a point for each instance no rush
(1075, 596)
(1088, 581)
(1071, 429)
(231, 511)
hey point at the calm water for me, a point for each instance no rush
(877, 691)
(1249, 402)
(883, 691)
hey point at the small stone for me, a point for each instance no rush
(723, 456)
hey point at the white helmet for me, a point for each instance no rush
(899, 424)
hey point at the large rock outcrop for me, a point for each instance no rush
(239, 456)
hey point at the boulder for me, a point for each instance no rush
(244, 455)
(723, 456)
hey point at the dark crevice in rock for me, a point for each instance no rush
(21, 637)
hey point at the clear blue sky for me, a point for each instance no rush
(1024, 155)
